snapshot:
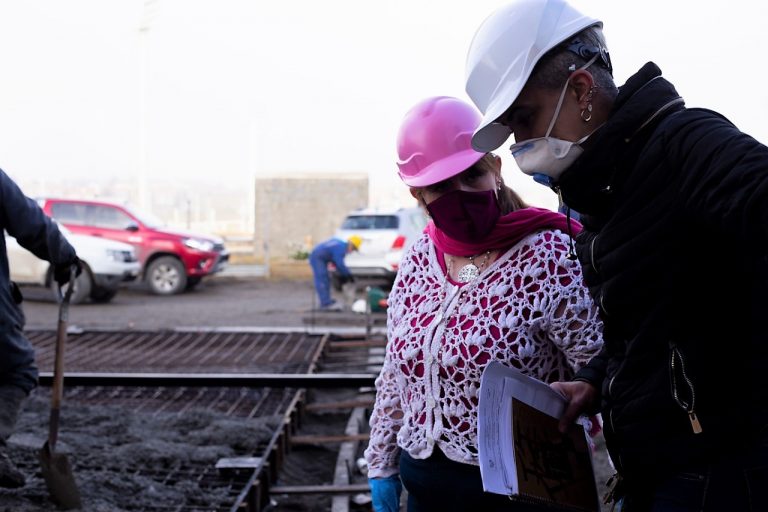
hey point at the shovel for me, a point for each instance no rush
(55, 467)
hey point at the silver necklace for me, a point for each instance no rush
(469, 271)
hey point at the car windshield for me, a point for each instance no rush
(145, 218)
(370, 222)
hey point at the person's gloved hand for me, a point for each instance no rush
(385, 493)
(61, 273)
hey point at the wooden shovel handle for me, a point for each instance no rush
(58, 364)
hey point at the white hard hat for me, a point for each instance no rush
(505, 50)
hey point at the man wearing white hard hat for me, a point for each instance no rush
(674, 203)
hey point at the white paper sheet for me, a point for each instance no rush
(498, 385)
(546, 466)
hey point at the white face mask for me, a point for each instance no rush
(545, 158)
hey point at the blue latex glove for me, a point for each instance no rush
(385, 493)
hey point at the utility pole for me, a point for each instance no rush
(148, 12)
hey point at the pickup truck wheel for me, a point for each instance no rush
(166, 276)
(103, 295)
(82, 290)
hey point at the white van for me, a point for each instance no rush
(106, 264)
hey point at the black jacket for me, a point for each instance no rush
(674, 202)
(23, 219)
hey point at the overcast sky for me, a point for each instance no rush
(229, 89)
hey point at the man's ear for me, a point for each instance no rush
(583, 84)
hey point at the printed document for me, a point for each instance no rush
(522, 454)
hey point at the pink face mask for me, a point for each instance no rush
(465, 216)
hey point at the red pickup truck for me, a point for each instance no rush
(171, 261)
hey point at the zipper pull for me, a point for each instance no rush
(694, 422)
(572, 245)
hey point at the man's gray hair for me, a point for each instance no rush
(554, 68)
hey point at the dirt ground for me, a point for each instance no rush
(153, 442)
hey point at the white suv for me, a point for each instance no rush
(106, 264)
(386, 235)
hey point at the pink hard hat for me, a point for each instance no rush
(435, 141)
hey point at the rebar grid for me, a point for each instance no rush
(166, 351)
(231, 402)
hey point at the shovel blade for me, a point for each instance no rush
(59, 479)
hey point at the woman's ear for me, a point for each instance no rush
(496, 162)
(495, 165)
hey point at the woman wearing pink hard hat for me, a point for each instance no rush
(489, 280)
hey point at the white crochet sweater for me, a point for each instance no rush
(529, 309)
